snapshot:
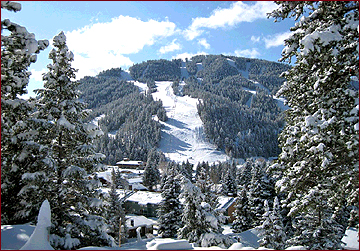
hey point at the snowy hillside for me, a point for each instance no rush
(245, 74)
(183, 136)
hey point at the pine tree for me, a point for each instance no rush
(243, 176)
(194, 217)
(205, 184)
(228, 186)
(151, 173)
(114, 212)
(201, 224)
(170, 208)
(319, 157)
(242, 215)
(259, 190)
(75, 199)
(19, 152)
(271, 230)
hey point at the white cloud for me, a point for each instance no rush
(188, 55)
(253, 53)
(255, 39)
(170, 47)
(100, 46)
(204, 43)
(93, 64)
(277, 39)
(237, 13)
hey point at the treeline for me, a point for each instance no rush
(126, 117)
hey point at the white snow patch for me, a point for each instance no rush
(183, 134)
(351, 239)
(143, 86)
(39, 239)
(168, 244)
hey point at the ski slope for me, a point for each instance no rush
(183, 134)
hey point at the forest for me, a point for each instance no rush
(236, 121)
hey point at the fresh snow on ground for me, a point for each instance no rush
(13, 237)
(143, 86)
(183, 134)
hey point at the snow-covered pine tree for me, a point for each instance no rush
(170, 208)
(201, 225)
(242, 215)
(243, 175)
(194, 217)
(151, 173)
(187, 169)
(204, 182)
(74, 196)
(320, 158)
(259, 190)
(19, 152)
(114, 212)
(228, 186)
(271, 230)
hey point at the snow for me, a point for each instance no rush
(39, 239)
(183, 136)
(351, 239)
(143, 86)
(325, 37)
(139, 221)
(62, 121)
(143, 197)
(14, 236)
(59, 39)
(168, 244)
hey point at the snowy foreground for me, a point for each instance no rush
(14, 237)
(183, 134)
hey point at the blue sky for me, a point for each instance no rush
(109, 34)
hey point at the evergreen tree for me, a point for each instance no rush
(243, 176)
(170, 208)
(201, 224)
(194, 217)
(151, 173)
(75, 199)
(319, 157)
(228, 186)
(19, 152)
(205, 184)
(114, 212)
(242, 215)
(271, 230)
(259, 190)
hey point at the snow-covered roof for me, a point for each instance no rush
(139, 221)
(144, 197)
(225, 202)
(135, 180)
(138, 186)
